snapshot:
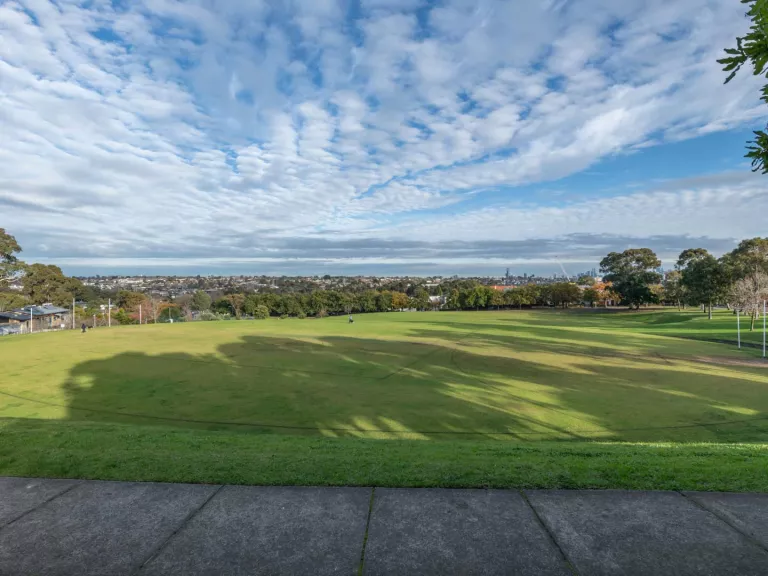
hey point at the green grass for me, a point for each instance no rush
(535, 399)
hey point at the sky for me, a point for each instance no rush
(372, 136)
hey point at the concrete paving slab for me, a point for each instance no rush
(432, 531)
(97, 528)
(644, 533)
(747, 512)
(20, 495)
(270, 530)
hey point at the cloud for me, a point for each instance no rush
(203, 129)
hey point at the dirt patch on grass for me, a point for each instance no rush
(728, 361)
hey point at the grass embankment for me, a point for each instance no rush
(120, 452)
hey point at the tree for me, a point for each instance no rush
(585, 280)
(702, 276)
(11, 300)
(122, 318)
(496, 299)
(749, 257)
(420, 299)
(590, 296)
(10, 266)
(236, 302)
(384, 301)
(749, 261)
(674, 290)
(475, 298)
(47, 283)
(631, 273)
(201, 301)
(167, 311)
(261, 312)
(454, 300)
(521, 296)
(748, 294)
(753, 49)
(564, 293)
(130, 301)
(155, 307)
(366, 301)
(184, 302)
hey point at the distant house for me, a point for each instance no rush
(36, 318)
(501, 288)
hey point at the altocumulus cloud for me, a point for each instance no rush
(399, 135)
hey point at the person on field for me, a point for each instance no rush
(351, 321)
(83, 327)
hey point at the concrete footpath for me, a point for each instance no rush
(114, 528)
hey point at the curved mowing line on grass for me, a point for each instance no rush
(376, 431)
(539, 404)
(318, 372)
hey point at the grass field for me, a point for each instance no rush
(536, 399)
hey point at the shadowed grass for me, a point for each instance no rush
(432, 399)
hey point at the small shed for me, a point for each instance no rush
(38, 318)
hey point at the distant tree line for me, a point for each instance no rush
(739, 280)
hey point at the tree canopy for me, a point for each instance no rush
(47, 283)
(702, 276)
(201, 301)
(10, 266)
(752, 49)
(632, 273)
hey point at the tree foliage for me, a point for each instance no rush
(702, 276)
(561, 294)
(748, 294)
(750, 257)
(674, 289)
(261, 312)
(752, 49)
(46, 283)
(10, 266)
(632, 273)
(201, 301)
(130, 301)
(11, 300)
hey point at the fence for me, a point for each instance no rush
(8, 329)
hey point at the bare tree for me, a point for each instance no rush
(154, 306)
(747, 295)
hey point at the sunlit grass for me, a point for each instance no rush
(486, 378)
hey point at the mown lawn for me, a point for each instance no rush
(544, 398)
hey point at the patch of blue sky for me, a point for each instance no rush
(352, 19)
(107, 34)
(245, 97)
(644, 170)
(172, 28)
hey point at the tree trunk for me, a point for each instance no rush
(710, 309)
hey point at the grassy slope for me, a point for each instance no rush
(120, 452)
(470, 399)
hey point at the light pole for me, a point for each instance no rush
(738, 329)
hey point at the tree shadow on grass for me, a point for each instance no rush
(355, 387)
